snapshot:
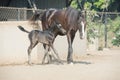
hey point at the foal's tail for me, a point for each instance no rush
(22, 29)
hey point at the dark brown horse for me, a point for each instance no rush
(70, 19)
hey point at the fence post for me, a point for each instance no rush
(25, 13)
(18, 15)
(105, 30)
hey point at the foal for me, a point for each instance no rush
(46, 37)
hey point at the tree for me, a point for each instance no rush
(95, 5)
(97, 21)
(114, 6)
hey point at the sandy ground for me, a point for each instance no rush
(102, 65)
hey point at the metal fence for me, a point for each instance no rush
(98, 23)
(15, 14)
(102, 25)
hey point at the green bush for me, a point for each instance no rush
(116, 39)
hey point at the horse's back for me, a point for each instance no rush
(72, 16)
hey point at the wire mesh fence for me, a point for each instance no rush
(15, 14)
(100, 25)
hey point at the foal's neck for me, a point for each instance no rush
(53, 31)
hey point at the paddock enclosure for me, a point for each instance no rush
(14, 44)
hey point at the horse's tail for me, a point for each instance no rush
(36, 16)
(22, 29)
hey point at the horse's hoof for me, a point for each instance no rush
(71, 63)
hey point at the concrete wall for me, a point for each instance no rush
(14, 44)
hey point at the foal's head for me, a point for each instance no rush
(82, 24)
(57, 28)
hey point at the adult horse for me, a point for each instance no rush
(70, 19)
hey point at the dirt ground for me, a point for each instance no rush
(99, 65)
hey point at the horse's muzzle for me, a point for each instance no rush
(82, 36)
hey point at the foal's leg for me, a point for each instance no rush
(49, 56)
(46, 53)
(47, 49)
(32, 45)
(56, 53)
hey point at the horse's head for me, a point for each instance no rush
(82, 24)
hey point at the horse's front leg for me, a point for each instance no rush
(70, 38)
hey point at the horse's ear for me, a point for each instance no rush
(82, 13)
(39, 13)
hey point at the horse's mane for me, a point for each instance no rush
(36, 16)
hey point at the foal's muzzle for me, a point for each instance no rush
(63, 31)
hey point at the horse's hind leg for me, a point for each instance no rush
(32, 45)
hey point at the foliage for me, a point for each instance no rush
(98, 5)
(92, 28)
(114, 6)
(74, 4)
(114, 30)
(116, 39)
(95, 21)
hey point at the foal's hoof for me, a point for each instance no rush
(61, 62)
(58, 62)
(29, 63)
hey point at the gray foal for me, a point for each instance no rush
(46, 37)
